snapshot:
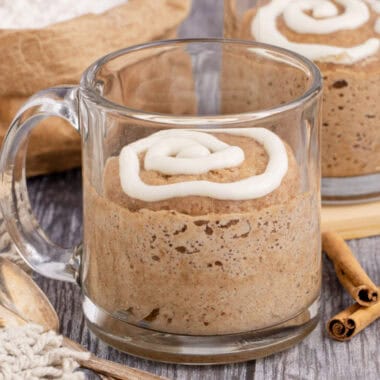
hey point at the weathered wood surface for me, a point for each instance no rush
(57, 203)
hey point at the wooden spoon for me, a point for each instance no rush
(22, 301)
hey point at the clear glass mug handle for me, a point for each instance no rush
(34, 246)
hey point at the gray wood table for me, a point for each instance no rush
(56, 200)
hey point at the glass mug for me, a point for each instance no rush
(351, 73)
(201, 186)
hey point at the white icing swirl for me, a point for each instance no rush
(180, 151)
(324, 9)
(375, 4)
(188, 152)
(356, 13)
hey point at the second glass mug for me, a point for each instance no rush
(201, 186)
(351, 107)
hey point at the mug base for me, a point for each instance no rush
(350, 190)
(199, 350)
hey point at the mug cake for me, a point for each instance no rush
(203, 232)
(343, 39)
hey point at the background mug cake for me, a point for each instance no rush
(201, 198)
(343, 38)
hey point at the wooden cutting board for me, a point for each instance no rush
(352, 221)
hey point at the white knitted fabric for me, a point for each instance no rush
(29, 353)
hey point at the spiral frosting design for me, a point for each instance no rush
(195, 152)
(318, 17)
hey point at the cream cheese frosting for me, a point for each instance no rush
(324, 19)
(179, 151)
(324, 9)
(375, 4)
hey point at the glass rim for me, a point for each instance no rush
(315, 88)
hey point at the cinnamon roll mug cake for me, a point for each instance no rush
(212, 240)
(343, 38)
(201, 231)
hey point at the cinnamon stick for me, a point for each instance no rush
(349, 271)
(352, 320)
